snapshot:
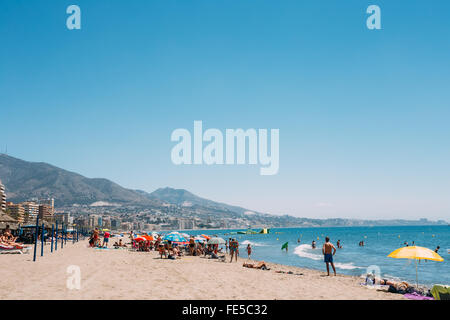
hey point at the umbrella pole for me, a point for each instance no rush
(417, 278)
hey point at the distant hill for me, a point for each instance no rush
(25, 180)
(183, 197)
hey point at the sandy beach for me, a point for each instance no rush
(122, 274)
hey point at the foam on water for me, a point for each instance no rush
(347, 266)
(305, 251)
(253, 244)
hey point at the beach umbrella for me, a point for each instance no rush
(174, 237)
(216, 240)
(416, 253)
(199, 239)
(147, 237)
(185, 235)
(206, 237)
(140, 238)
(180, 243)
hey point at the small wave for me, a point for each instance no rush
(346, 266)
(305, 251)
(254, 244)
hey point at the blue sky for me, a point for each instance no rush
(363, 115)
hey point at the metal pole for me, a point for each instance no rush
(417, 277)
(42, 241)
(53, 233)
(56, 238)
(36, 231)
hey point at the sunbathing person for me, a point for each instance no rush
(7, 239)
(260, 265)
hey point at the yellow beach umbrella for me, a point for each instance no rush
(416, 253)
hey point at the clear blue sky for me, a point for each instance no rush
(363, 115)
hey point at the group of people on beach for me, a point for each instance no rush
(95, 241)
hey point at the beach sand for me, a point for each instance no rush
(122, 274)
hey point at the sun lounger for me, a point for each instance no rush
(441, 292)
(13, 249)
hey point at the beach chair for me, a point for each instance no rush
(13, 249)
(441, 292)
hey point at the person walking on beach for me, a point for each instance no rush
(328, 251)
(249, 250)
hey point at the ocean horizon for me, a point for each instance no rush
(352, 259)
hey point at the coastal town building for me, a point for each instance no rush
(115, 223)
(46, 212)
(64, 217)
(31, 211)
(16, 211)
(186, 224)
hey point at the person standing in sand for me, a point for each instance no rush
(106, 236)
(191, 245)
(95, 236)
(249, 250)
(328, 251)
(233, 249)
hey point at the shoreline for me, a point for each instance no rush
(124, 275)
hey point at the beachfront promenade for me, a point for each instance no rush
(122, 274)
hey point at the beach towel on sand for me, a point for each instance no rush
(416, 296)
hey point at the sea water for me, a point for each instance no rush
(352, 259)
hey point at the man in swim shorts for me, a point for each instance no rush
(328, 251)
(233, 249)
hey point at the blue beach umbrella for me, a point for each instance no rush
(174, 237)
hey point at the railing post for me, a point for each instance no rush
(36, 232)
(56, 238)
(53, 234)
(42, 240)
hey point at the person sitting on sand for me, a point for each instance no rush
(260, 265)
(328, 251)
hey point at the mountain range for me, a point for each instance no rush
(25, 180)
(37, 180)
